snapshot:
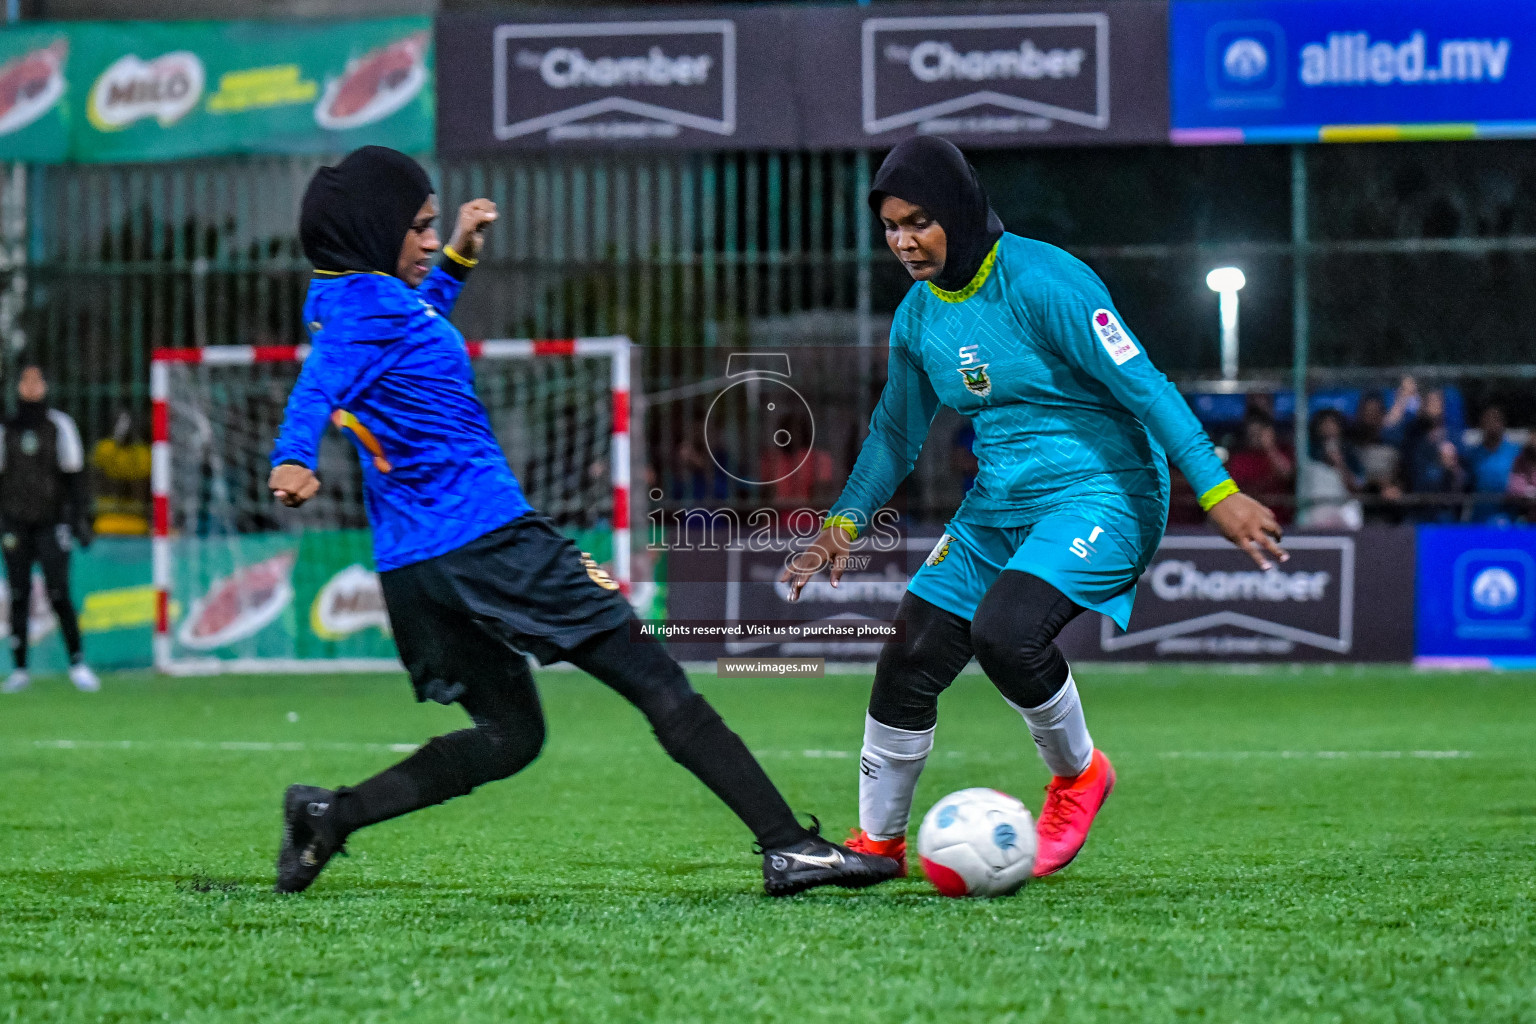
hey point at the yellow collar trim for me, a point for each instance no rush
(344, 273)
(976, 282)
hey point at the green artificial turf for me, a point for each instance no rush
(1319, 846)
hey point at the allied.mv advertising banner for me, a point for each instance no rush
(1477, 597)
(1352, 70)
(141, 91)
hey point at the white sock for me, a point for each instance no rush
(1060, 731)
(889, 765)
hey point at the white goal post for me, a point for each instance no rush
(243, 586)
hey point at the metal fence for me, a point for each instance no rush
(696, 255)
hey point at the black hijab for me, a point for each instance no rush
(355, 215)
(932, 173)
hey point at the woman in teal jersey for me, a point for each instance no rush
(1074, 427)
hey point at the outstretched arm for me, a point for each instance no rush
(1081, 325)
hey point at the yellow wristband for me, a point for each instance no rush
(1225, 489)
(459, 258)
(849, 526)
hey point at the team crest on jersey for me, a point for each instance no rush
(940, 551)
(976, 380)
(597, 574)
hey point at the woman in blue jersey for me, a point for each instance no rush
(1073, 429)
(473, 578)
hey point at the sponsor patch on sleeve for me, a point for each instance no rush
(1114, 337)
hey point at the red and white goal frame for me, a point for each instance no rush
(616, 348)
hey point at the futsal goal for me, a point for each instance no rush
(245, 585)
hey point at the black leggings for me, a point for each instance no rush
(509, 733)
(1012, 636)
(26, 545)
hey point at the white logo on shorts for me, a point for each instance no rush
(1084, 548)
(940, 551)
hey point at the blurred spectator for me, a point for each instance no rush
(1489, 463)
(122, 464)
(1380, 462)
(1432, 463)
(797, 474)
(1405, 406)
(1522, 483)
(696, 476)
(1263, 468)
(1331, 477)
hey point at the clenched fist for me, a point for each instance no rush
(469, 231)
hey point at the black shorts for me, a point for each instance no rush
(522, 589)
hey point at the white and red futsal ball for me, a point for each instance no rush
(977, 842)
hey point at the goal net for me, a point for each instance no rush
(246, 585)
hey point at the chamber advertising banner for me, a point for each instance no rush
(725, 600)
(1477, 597)
(791, 77)
(141, 91)
(984, 75)
(1344, 597)
(1352, 70)
(694, 78)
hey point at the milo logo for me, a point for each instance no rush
(131, 89)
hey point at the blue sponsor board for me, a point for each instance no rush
(1352, 70)
(1477, 596)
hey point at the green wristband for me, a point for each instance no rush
(848, 525)
(1225, 489)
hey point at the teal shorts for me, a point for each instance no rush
(1090, 564)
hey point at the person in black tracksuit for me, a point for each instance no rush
(43, 514)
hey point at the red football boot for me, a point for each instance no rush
(895, 849)
(1070, 806)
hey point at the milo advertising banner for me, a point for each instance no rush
(257, 601)
(33, 123)
(279, 596)
(116, 602)
(140, 91)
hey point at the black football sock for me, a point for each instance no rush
(699, 740)
(642, 671)
(446, 767)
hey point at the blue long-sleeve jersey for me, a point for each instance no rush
(1069, 412)
(395, 374)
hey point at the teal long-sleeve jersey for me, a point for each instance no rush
(1068, 410)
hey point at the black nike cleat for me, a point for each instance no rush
(309, 837)
(814, 861)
